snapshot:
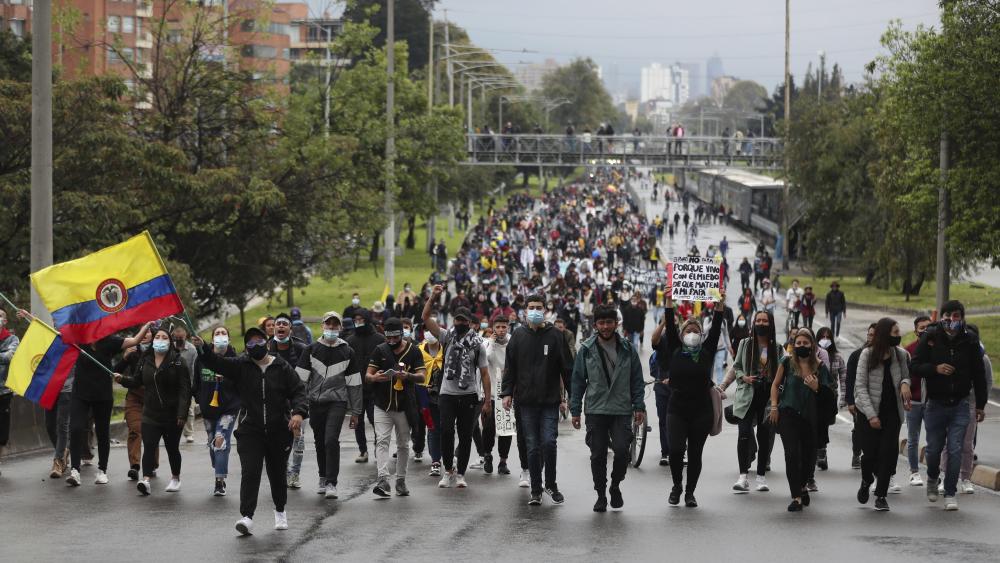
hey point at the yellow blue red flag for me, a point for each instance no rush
(41, 364)
(107, 291)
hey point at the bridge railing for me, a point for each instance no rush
(556, 150)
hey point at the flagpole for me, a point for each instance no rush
(34, 318)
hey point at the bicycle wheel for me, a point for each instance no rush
(638, 447)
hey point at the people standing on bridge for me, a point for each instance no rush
(754, 368)
(949, 361)
(220, 404)
(608, 372)
(333, 384)
(536, 374)
(835, 306)
(8, 345)
(796, 409)
(881, 393)
(690, 412)
(161, 371)
(838, 372)
(274, 404)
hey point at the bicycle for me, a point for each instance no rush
(639, 431)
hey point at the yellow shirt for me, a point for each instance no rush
(431, 362)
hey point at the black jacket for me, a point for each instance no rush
(167, 388)
(363, 342)
(835, 302)
(964, 353)
(537, 361)
(275, 394)
(205, 386)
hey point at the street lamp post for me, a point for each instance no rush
(41, 146)
(788, 116)
(390, 148)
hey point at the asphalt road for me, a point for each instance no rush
(44, 520)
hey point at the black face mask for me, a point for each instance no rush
(895, 340)
(257, 352)
(461, 329)
(803, 351)
(761, 330)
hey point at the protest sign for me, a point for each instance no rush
(505, 422)
(695, 278)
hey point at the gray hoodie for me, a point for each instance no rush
(332, 374)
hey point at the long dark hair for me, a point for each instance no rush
(880, 341)
(772, 345)
(828, 333)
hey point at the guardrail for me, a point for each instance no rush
(623, 150)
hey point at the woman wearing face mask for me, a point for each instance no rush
(881, 394)
(220, 403)
(689, 413)
(838, 372)
(167, 384)
(794, 410)
(739, 332)
(754, 369)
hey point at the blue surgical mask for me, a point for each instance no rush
(407, 332)
(221, 341)
(161, 346)
(330, 334)
(536, 317)
(956, 326)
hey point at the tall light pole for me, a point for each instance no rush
(390, 146)
(943, 278)
(788, 122)
(432, 220)
(41, 146)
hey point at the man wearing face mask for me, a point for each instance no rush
(364, 341)
(274, 403)
(915, 416)
(352, 310)
(395, 366)
(465, 355)
(949, 361)
(333, 383)
(189, 355)
(536, 372)
(290, 349)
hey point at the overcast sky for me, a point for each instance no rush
(747, 34)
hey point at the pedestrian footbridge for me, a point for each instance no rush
(760, 153)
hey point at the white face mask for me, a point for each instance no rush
(825, 343)
(355, 301)
(692, 339)
(741, 322)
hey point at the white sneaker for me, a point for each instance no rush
(144, 487)
(762, 484)
(525, 480)
(742, 484)
(950, 503)
(102, 478)
(893, 487)
(244, 526)
(280, 520)
(478, 464)
(189, 439)
(331, 491)
(915, 480)
(966, 487)
(460, 482)
(173, 486)
(446, 481)
(941, 486)
(321, 488)
(74, 478)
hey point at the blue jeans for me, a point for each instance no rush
(914, 419)
(434, 434)
(720, 365)
(635, 338)
(298, 452)
(216, 428)
(662, 399)
(541, 428)
(835, 323)
(945, 422)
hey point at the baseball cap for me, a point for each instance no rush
(463, 313)
(331, 315)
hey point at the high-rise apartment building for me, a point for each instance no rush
(671, 84)
(713, 70)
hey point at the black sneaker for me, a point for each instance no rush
(881, 504)
(855, 462)
(795, 506)
(381, 489)
(535, 500)
(675, 496)
(555, 495)
(805, 498)
(864, 492)
(616, 496)
(690, 501)
(602, 504)
(220, 488)
(821, 461)
(811, 486)
(664, 462)
(133, 474)
(502, 468)
(488, 464)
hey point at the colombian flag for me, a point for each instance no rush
(41, 364)
(107, 291)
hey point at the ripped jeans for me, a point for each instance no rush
(221, 427)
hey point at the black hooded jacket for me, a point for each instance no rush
(167, 387)
(364, 341)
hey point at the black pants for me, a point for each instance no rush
(79, 425)
(798, 437)
(488, 423)
(457, 411)
(688, 432)
(748, 443)
(257, 449)
(600, 429)
(857, 433)
(662, 399)
(795, 318)
(744, 281)
(359, 430)
(151, 434)
(5, 401)
(807, 321)
(522, 448)
(326, 421)
(881, 449)
(418, 434)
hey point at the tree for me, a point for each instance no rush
(590, 104)
(15, 57)
(412, 24)
(745, 96)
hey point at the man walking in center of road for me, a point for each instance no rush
(608, 371)
(836, 307)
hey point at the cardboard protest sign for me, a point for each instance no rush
(695, 278)
(506, 424)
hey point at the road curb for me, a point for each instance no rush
(982, 475)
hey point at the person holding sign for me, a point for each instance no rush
(689, 356)
(608, 372)
(498, 424)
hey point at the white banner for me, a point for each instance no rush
(695, 278)
(506, 425)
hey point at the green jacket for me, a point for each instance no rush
(743, 397)
(624, 396)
